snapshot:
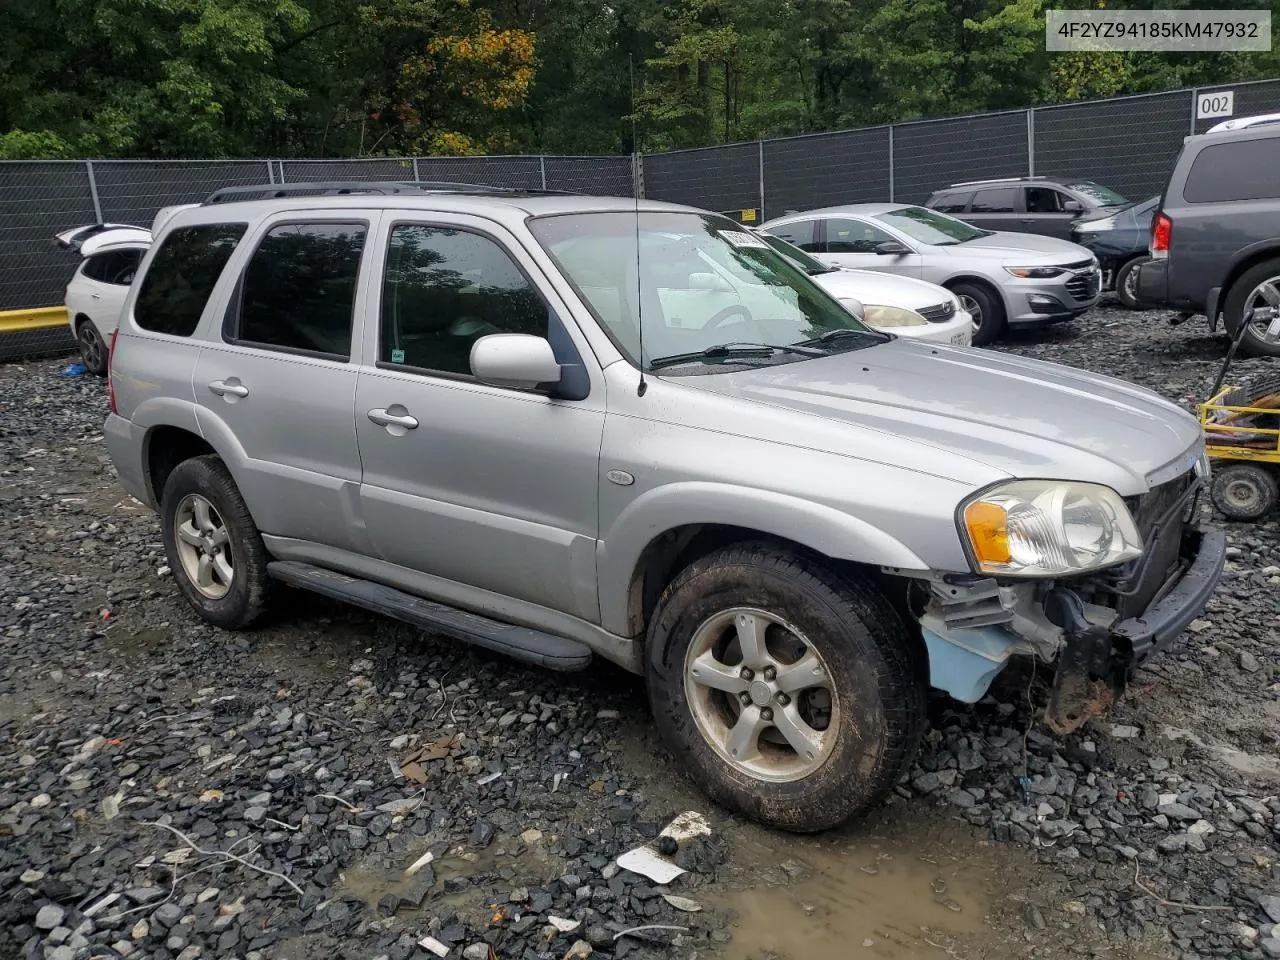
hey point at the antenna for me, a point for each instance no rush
(635, 190)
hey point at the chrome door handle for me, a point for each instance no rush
(224, 387)
(96, 296)
(383, 418)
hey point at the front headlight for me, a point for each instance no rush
(880, 316)
(1047, 528)
(1095, 226)
(1035, 273)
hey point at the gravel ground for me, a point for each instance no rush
(141, 751)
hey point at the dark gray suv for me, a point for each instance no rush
(1215, 241)
(1043, 205)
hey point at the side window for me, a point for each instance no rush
(118, 266)
(446, 288)
(801, 233)
(1045, 200)
(1000, 200)
(1244, 170)
(299, 289)
(952, 202)
(95, 267)
(854, 236)
(182, 275)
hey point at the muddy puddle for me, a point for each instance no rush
(872, 895)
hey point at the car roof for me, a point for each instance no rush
(853, 209)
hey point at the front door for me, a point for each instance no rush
(488, 487)
(854, 242)
(1048, 212)
(278, 385)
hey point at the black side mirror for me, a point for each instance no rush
(892, 248)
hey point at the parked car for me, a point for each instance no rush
(1215, 240)
(470, 409)
(97, 289)
(1002, 279)
(1119, 239)
(898, 305)
(1042, 205)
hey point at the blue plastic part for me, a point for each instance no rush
(964, 662)
(75, 370)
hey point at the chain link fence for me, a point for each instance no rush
(1127, 143)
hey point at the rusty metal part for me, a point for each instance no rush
(1087, 681)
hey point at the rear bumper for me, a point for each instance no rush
(125, 446)
(1153, 283)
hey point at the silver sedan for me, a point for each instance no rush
(1002, 279)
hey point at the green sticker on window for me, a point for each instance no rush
(397, 356)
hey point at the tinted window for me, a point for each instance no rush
(299, 288)
(1001, 200)
(1048, 200)
(1245, 170)
(182, 275)
(854, 236)
(952, 202)
(445, 289)
(115, 266)
(800, 234)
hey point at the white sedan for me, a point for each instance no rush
(899, 305)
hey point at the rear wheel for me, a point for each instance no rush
(1127, 282)
(1244, 491)
(1254, 299)
(214, 549)
(93, 352)
(986, 309)
(785, 690)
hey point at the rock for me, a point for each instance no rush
(1122, 731)
(1249, 663)
(255, 814)
(1271, 906)
(481, 834)
(1270, 947)
(31, 876)
(530, 837)
(167, 914)
(476, 951)
(579, 951)
(1179, 811)
(49, 916)
(926, 783)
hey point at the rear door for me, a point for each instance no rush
(853, 242)
(276, 380)
(996, 208)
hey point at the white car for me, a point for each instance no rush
(96, 291)
(902, 306)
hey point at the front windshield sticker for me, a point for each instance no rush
(740, 238)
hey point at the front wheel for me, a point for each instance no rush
(1244, 491)
(788, 692)
(986, 309)
(1254, 300)
(1127, 283)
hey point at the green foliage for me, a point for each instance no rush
(185, 78)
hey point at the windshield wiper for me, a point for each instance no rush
(845, 333)
(729, 351)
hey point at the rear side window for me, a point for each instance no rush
(1245, 170)
(299, 289)
(1001, 200)
(115, 266)
(801, 233)
(952, 202)
(182, 275)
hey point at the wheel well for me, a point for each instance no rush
(986, 284)
(166, 448)
(81, 319)
(1248, 263)
(672, 551)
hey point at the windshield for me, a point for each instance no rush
(931, 227)
(1105, 196)
(808, 264)
(704, 282)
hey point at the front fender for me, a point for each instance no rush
(820, 528)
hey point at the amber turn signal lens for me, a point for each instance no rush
(988, 526)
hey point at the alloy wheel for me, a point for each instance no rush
(204, 546)
(1262, 310)
(761, 695)
(971, 307)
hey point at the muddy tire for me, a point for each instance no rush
(1256, 292)
(1244, 491)
(986, 308)
(785, 690)
(214, 549)
(1127, 283)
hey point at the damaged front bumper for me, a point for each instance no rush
(972, 627)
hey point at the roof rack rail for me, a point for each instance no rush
(974, 183)
(265, 191)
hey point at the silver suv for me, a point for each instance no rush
(545, 425)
